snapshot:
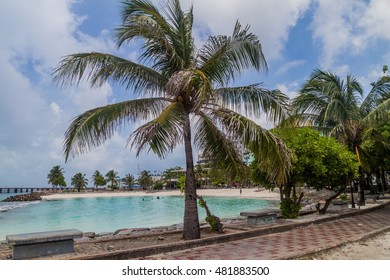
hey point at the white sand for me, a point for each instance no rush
(246, 193)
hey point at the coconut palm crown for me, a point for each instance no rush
(182, 94)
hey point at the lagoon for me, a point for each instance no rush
(107, 214)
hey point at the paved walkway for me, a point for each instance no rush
(293, 243)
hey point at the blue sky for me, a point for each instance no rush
(346, 37)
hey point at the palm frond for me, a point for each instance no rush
(261, 141)
(333, 100)
(222, 57)
(162, 134)
(338, 111)
(342, 132)
(301, 119)
(379, 89)
(216, 145)
(97, 68)
(353, 89)
(305, 120)
(94, 127)
(140, 18)
(182, 41)
(310, 102)
(167, 41)
(380, 115)
(255, 101)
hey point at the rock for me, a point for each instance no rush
(124, 231)
(25, 197)
(140, 229)
(104, 234)
(160, 238)
(89, 235)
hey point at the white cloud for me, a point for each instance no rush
(290, 89)
(56, 109)
(332, 28)
(376, 20)
(349, 28)
(289, 65)
(269, 20)
(34, 38)
(342, 70)
(85, 98)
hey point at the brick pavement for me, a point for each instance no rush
(292, 243)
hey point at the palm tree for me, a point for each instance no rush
(185, 93)
(337, 108)
(113, 178)
(56, 177)
(171, 176)
(129, 180)
(79, 181)
(201, 174)
(98, 179)
(145, 179)
(327, 102)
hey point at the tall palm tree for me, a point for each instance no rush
(79, 181)
(337, 107)
(185, 93)
(113, 178)
(56, 177)
(98, 179)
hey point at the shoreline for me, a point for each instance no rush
(246, 193)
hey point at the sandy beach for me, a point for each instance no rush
(246, 193)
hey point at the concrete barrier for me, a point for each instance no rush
(37, 244)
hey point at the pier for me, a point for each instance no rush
(22, 189)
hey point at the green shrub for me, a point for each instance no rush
(343, 197)
(289, 209)
(158, 186)
(213, 222)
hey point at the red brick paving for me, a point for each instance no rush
(292, 243)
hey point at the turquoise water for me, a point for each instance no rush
(5, 195)
(108, 214)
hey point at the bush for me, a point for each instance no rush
(343, 197)
(214, 223)
(158, 186)
(289, 209)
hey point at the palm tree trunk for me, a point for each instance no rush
(352, 196)
(361, 187)
(383, 179)
(191, 229)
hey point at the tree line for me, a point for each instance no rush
(111, 179)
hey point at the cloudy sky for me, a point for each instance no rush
(349, 36)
